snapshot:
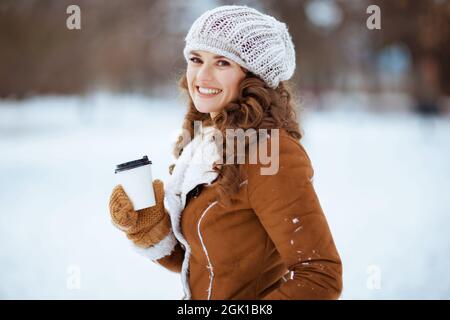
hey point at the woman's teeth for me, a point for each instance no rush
(209, 91)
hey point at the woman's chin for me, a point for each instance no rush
(205, 109)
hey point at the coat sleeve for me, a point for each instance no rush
(168, 252)
(288, 208)
(173, 261)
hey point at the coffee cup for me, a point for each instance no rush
(136, 179)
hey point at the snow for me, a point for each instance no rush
(382, 180)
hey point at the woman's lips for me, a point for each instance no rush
(202, 95)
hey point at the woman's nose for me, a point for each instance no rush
(205, 73)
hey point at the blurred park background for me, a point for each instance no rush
(75, 102)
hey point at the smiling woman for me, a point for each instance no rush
(232, 231)
(213, 81)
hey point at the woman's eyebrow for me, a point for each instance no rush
(215, 57)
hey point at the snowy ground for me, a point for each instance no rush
(383, 182)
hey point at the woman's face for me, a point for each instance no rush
(213, 81)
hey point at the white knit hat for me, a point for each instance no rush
(256, 41)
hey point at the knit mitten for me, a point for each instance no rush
(144, 227)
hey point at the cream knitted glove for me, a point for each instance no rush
(144, 227)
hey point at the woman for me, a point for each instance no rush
(231, 230)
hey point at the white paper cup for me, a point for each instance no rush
(136, 179)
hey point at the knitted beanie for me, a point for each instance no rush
(256, 41)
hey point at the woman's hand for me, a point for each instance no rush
(144, 227)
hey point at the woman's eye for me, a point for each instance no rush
(221, 63)
(224, 63)
(194, 60)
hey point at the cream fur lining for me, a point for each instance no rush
(159, 250)
(193, 167)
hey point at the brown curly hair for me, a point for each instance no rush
(257, 106)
